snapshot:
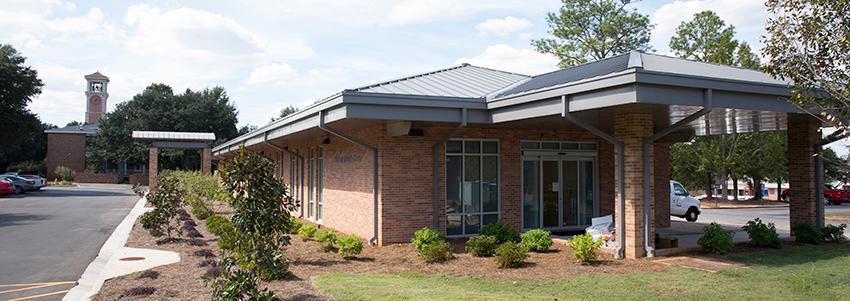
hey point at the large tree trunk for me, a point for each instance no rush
(735, 188)
(757, 189)
(709, 192)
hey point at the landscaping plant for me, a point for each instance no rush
(197, 190)
(65, 174)
(834, 233)
(327, 239)
(233, 283)
(761, 234)
(481, 246)
(294, 225)
(261, 206)
(217, 223)
(537, 240)
(584, 247)
(166, 200)
(437, 251)
(715, 239)
(349, 246)
(502, 232)
(806, 233)
(307, 231)
(424, 237)
(511, 255)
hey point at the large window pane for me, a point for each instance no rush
(472, 224)
(454, 225)
(530, 194)
(588, 185)
(472, 147)
(472, 184)
(453, 183)
(454, 147)
(570, 193)
(490, 183)
(489, 219)
(491, 147)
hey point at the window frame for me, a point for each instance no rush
(481, 154)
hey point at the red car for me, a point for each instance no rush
(6, 187)
(831, 196)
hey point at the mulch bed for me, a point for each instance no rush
(183, 280)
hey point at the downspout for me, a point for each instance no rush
(435, 184)
(374, 239)
(619, 253)
(647, 144)
(291, 153)
(818, 160)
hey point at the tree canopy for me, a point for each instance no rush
(22, 137)
(158, 108)
(588, 30)
(288, 110)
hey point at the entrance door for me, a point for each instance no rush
(559, 192)
(551, 194)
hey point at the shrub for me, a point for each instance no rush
(583, 247)
(139, 190)
(227, 239)
(715, 239)
(761, 234)
(510, 255)
(502, 232)
(197, 189)
(425, 237)
(307, 231)
(294, 225)
(151, 221)
(805, 233)
(29, 167)
(327, 239)
(438, 251)
(234, 284)
(481, 246)
(834, 233)
(537, 240)
(349, 246)
(201, 210)
(164, 218)
(217, 224)
(64, 173)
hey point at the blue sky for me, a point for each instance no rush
(272, 53)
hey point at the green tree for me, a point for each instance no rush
(288, 110)
(745, 58)
(589, 30)
(706, 38)
(807, 43)
(22, 136)
(835, 168)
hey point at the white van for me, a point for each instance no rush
(682, 204)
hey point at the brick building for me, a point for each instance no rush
(459, 148)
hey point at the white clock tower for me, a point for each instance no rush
(96, 97)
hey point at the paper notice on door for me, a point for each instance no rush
(555, 186)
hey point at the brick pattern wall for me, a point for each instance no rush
(802, 134)
(206, 161)
(153, 167)
(67, 150)
(91, 177)
(632, 128)
(661, 172)
(138, 178)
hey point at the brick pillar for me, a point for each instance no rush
(802, 134)
(153, 162)
(661, 172)
(206, 161)
(632, 128)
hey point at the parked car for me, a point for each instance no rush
(39, 181)
(831, 196)
(6, 187)
(22, 185)
(682, 204)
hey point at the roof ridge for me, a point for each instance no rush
(588, 63)
(695, 61)
(418, 75)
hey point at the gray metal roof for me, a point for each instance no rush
(173, 136)
(461, 81)
(584, 71)
(87, 129)
(675, 65)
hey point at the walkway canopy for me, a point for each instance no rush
(175, 140)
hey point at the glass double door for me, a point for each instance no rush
(558, 192)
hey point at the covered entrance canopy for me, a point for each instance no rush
(175, 140)
(638, 102)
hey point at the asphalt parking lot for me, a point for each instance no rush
(48, 237)
(778, 216)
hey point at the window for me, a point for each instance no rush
(310, 164)
(679, 190)
(472, 185)
(294, 178)
(319, 173)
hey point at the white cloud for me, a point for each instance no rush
(507, 58)
(503, 26)
(277, 74)
(748, 17)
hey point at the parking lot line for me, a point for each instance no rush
(38, 296)
(37, 283)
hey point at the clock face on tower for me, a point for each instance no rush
(95, 101)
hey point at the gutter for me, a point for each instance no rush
(435, 223)
(647, 144)
(619, 253)
(374, 239)
(291, 153)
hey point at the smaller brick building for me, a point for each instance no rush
(460, 148)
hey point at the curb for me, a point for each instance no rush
(93, 277)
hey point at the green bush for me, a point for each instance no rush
(805, 233)
(197, 190)
(761, 234)
(537, 240)
(834, 233)
(327, 239)
(294, 225)
(583, 247)
(502, 232)
(29, 167)
(715, 239)
(481, 246)
(217, 223)
(201, 210)
(511, 255)
(424, 237)
(438, 251)
(307, 231)
(234, 284)
(166, 200)
(64, 173)
(349, 246)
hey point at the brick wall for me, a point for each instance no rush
(802, 134)
(137, 178)
(661, 172)
(67, 150)
(91, 177)
(632, 128)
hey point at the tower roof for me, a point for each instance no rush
(97, 75)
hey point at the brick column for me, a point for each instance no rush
(661, 172)
(153, 162)
(206, 161)
(632, 128)
(802, 134)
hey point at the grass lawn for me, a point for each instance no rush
(794, 273)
